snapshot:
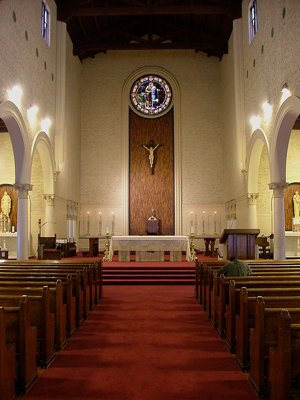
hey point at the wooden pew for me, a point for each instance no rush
(263, 336)
(76, 281)
(92, 293)
(249, 282)
(211, 267)
(78, 264)
(40, 316)
(20, 332)
(284, 360)
(238, 299)
(7, 362)
(57, 306)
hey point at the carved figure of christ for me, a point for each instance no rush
(151, 148)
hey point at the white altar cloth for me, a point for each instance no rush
(150, 243)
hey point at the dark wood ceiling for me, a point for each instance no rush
(97, 26)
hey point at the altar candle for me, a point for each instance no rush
(192, 230)
(88, 216)
(100, 217)
(107, 230)
(215, 221)
(113, 217)
(203, 221)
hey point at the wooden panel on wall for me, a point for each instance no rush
(147, 191)
(14, 202)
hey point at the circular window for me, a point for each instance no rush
(151, 95)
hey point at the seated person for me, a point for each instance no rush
(235, 267)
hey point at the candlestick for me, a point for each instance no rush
(192, 229)
(203, 223)
(215, 222)
(100, 223)
(113, 224)
(88, 223)
(107, 230)
(106, 254)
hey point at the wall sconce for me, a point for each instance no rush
(268, 111)
(285, 92)
(15, 95)
(284, 88)
(255, 122)
(45, 124)
(32, 113)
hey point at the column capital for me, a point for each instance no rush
(278, 188)
(23, 189)
(252, 197)
(49, 199)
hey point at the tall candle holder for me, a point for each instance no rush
(88, 224)
(100, 224)
(113, 224)
(192, 246)
(215, 223)
(106, 254)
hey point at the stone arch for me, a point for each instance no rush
(15, 124)
(284, 122)
(43, 146)
(177, 139)
(257, 142)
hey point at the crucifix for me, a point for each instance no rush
(151, 149)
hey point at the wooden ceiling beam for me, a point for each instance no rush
(100, 46)
(66, 13)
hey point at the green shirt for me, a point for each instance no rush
(235, 268)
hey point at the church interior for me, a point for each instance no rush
(178, 120)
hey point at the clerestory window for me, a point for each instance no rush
(252, 20)
(46, 23)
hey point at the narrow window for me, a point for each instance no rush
(46, 23)
(252, 20)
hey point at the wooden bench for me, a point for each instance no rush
(20, 331)
(238, 298)
(284, 360)
(245, 320)
(211, 267)
(7, 361)
(263, 336)
(40, 316)
(249, 282)
(78, 282)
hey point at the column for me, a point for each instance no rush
(49, 223)
(279, 219)
(252, 216)
(22, 225)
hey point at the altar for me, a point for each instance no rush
(149, 248)
(292, 244)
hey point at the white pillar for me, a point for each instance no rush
(279, 219)
(22, 225)
(49, 215)
(252, 215)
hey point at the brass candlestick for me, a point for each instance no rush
(192, 246)
(106, 254)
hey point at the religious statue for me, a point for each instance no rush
(6, 204)
(151, 91)
(296, 202)
(151, 149)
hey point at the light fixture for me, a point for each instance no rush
(15, 95)
(285, 92)
(284, 88)
(46, 124)
(268, 111)
(32, 113)
(255, 122)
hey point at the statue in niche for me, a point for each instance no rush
(6, 204)
(296, 202)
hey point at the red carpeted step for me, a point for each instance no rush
(149, 273)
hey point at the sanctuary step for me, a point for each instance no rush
(148, 273)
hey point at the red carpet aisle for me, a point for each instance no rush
(142, 343)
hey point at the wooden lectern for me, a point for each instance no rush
(240, 243)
